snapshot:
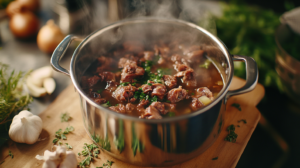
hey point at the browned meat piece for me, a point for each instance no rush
(151, 113)
(170, 107)
(181, 67)
(160, 107)
(93, 80)
(186, 73)
(203, 91)
(141, 106)
(196, 104)
(122, 62)
(170, 81)
(125, 93)
(120, 108)
(195, 56)
(156, 89)
(107, 76)
(131, 71)
(161, 61)
(130, 108)
(133, 46)
(97, 97)
(175, 58)
(106, 63)
(111, 86)
(177, 94)
(148, 55)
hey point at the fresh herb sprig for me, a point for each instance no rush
(231, 137)
(62, 134)
(10, 154)
(108, 164)
(89, 152)
(236, 105)
(65, 117)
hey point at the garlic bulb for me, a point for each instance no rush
(59, 158)
(25, 127)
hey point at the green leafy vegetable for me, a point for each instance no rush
(65, 117)
(89, 152)
(10, 154)
(236, 105)
(231, 137)
(12, 99)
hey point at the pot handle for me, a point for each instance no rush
(59, 52)
(251, 75)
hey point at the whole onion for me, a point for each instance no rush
(49, 37)
(32, 5)
(24, 24)
(13, 8)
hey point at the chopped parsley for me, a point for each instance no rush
(124, 84)
(107, 104)
(242, 120)
(65, 117)
(215, 158)
(99, 91)
(149, 75)
(236, 105)
(150, 84)
(231, 137)
(170, 114)
(10, 154)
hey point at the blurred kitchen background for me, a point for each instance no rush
(247, 27)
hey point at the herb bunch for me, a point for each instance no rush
(89, 152)
(62, 135)
(231, 137)
(12, 99)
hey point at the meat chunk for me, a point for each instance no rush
(148, 55)
(196, 104)
(161, 61)
(155, 89)
(93, 80)
(160, 107)
(203, 91)
(120, 108)
(186, 73)
(96, 97)
(195, 56)
(131, 71)
(111, 86)
(125, 93)
(127, 59)
(170, 81)
(177, 59)
(177, 94)
(107, 76)
(130, 108)
(141, 106)
(154, 111)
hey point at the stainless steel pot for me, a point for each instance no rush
(153, 142)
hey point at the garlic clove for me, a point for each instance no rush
(25, 127)
(70, 161)
(49, 85)
(37, 76)
(34, 90)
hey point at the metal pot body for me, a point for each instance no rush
(153, 142)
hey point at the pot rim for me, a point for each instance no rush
(222, 46)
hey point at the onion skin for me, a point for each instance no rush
(32, 5)
(13, 8)
(49, 37)
(24, 24)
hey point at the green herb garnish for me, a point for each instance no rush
(89, 152)
(10, 154)
(236, 105)
(205, 64)
(12, 98)
(107, 104)
(62, 135)
(242, 120)
(124, 84)
(216, 158)
(170, 114)
(231, 137)
(150, 84)
(108, 164)
(65, 117)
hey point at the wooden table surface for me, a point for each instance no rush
(68, 101)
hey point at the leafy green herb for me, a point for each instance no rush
(231, 137)
(133, 84)
(68, 146)
(150, 84)
(192, 94)
(12, 99)
(124, 84)
(236, 105)
(107, 104)
(99, 91)
(149, 75)
(65, 117)
(205, 64)
(89, 152)
(62, 135)
(10, 154)
(108, 164)
(216, 158)
(242, 120)
(168, 101)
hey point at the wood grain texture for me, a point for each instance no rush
(68, 101)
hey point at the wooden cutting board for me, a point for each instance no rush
(68, 101)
